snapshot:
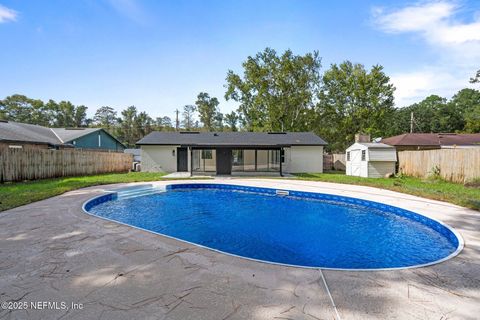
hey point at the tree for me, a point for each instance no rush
(218, 121)
(276, 93)
(472, 120)
(207, 108)
(143, 125)
(187, 114)
(164, 124)
(127, 126)
(353, 100)
(20, 108)
(476, 79)
(232, 119)
(80, 117)
(105, 117)
(467, 104)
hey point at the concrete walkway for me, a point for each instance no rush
(52, 251)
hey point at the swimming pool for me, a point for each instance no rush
(286, 227)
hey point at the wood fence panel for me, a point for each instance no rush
(457, 165)
(32, 164)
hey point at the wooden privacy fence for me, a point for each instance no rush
(457, 165)
(334, 161)
(31, 164)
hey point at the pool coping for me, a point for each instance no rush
(460, 246)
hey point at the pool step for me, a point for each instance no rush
(137, 192)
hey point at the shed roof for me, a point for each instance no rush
(370, 145)
(233, 139)
(433, 139)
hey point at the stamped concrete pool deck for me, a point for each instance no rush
(52, 251)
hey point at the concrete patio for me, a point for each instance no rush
(52, 251)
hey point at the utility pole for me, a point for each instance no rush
(176, 120)
(411, 122)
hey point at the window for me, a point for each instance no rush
(348, 156)
(364, 155)
(206, 154)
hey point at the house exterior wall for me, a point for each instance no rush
(159, 158)
(297, 159)
(92, 141)
(300, 159)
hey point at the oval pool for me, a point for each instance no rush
(286, 227)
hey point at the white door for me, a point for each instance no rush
(356, 162)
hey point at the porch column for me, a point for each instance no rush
(191, 160)
(281, 160)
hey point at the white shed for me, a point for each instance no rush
(370, 160)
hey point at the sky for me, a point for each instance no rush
(158, 55)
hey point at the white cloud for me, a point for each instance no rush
(7, 14)
(434, 21)
(456, 43)
(414, 86)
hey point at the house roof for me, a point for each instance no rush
(433, 139)
(23, 132)
(233, 139)
(69, 134)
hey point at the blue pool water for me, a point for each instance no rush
(304, 229)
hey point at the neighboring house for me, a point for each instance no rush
(23, 135)
(232, 152)
(370, 160)
(426, 141)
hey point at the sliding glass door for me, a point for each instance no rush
(259, 160)
(204, 160)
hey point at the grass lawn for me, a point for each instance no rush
(428, 188)
(19, 193)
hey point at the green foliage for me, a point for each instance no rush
(353, 100)
(231, 120)
(476, 79)
(105, 117)
(22, 109)
(209, 115)
(187, 117)
(276, 93)
(472, 120)
(437, 114)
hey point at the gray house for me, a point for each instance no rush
(23, 135)
(234, 153)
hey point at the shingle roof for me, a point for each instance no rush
(69, 134)
(24, 132)
(232, 139)
(15, 131)
(433, 139)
